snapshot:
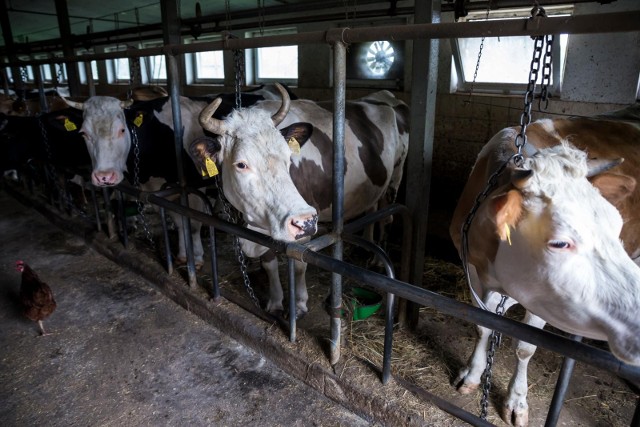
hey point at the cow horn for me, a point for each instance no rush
(208, 122)
(73, 104)
(126, 104)
(598, 166)
(279, 116)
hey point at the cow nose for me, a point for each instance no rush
(303, 225)
(102, 178)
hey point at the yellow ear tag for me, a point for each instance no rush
(69, 125)
(138, 120)
(294, 145)
(507, 232)
(212, 170)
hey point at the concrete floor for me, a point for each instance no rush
(122, 353)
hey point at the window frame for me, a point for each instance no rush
(506, 88)
(112, 75)
(144, 65)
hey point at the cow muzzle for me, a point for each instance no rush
(105, 178)
(300, 226)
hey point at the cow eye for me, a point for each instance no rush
(560, 244)
(242, 165)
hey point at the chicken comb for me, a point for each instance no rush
(20, 266)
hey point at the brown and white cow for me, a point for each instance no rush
(559, 236)
(281, 192)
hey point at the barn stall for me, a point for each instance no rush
(460, 121)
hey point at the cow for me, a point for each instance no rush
(53, 138)
(276, 162)
(560, 235)
(108, 127)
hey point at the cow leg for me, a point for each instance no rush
(198, 251)
(516, 409)
(301, 289)
(269, 262)
(469, 377)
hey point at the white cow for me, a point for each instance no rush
(106, 127)
(281, 193)
(549, 239)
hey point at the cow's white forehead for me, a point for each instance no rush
(254, 134)
(559, 182)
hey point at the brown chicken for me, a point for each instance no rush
(36, 296)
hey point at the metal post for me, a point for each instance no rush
(167, 244)
(562, 384)
(291, 269)
(67, 46)
(424, 82)
(339, 85)
(88, 72)
(171, 30)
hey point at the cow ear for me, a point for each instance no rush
(507, 210)
(614, 187)
(300, 131)
(206, 153)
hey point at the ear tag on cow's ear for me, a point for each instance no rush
(212, 170)
(507, 232)
(138, 120)
(69, 125)
(294, 145)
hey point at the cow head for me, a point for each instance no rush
(560, 254)
(105, 132)
(255, 176)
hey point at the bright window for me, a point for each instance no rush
(154, 69)
(505, 61)
(276, 63)
(83, 73)
(118, 69)
(209, 65)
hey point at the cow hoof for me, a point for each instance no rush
(518, 418)
(182, 262)
(465, 389)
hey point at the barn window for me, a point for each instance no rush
(82, 71)
(277, 63)
(205, 67)
(118, 69)
(505, 61)
(153, 69)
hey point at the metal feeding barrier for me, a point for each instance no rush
(308, 252)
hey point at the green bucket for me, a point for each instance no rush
(364, 303)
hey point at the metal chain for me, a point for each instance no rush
(261, 13)
(546, 72)
(494, 341)
(234, 217)
(238, 61)
(136, 183)
(525, 118)
(475, 73)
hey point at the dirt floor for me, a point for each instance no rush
(429, 357)
(122, 353)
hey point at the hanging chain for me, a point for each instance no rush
(261, 14)
(238, 60)
(475, 73)
(546, 72)
(234, 217)
(494, 341)
(525, 118)
(136, 183)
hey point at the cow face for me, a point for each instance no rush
(105, 132)
(560, 254)
(255, 158)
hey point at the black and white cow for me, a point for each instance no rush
(108, 127)
(28, 142)
(277, 168)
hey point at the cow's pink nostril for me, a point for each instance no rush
(303, 225)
